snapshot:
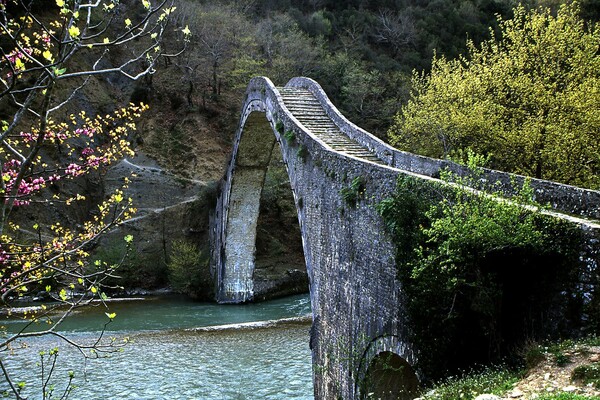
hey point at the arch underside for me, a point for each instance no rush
(386, 372)
(251, 163)
(390, 377)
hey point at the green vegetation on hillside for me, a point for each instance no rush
(569, 363)
(362, 52)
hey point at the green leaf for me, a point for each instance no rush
(59, 71)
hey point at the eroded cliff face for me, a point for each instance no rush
(181, 153)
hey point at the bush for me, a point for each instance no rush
(354, 192)
(480, 274)
(588, 374)
(136, 270)
(188, 270)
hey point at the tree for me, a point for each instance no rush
(49, 53)
(287, 50)
(188, 269)
(529, 99)
(397, 30)
(221, 35)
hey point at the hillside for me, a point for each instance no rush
(361, 52)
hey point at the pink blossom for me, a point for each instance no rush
(28, 137)
(73, 170)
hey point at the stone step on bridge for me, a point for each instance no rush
(338, 173)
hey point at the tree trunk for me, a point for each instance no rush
(190, 92)
(214, 83)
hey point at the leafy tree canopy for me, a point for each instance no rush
(530, 98)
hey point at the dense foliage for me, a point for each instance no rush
(528, 98)
(362, 52)
(480, 273)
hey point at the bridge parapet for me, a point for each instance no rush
(562, 198)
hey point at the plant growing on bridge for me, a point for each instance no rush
(49, 53)
(289, 135)
(527, 97)
(279, 127)
(302, 152)
(354, 192)
(475, 267)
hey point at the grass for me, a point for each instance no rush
(563, 396)
(491, 381)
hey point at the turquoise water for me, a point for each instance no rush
(168, 359)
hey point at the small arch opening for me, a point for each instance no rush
(389, 377)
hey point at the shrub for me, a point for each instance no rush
(352, 193)
(589, 373)
(188, 270)
(289, 135)
(279, 126)
(136, 270)
(484, 271)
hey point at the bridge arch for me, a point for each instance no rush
(386, 371)
(338, 174)
(342, 234)
(257, 136)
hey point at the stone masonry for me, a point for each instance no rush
(338, 173)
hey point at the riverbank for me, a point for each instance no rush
(567, 370)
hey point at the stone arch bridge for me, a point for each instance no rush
(338, 173)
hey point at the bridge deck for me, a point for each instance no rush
(309, 112)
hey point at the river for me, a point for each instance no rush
(180, 349)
